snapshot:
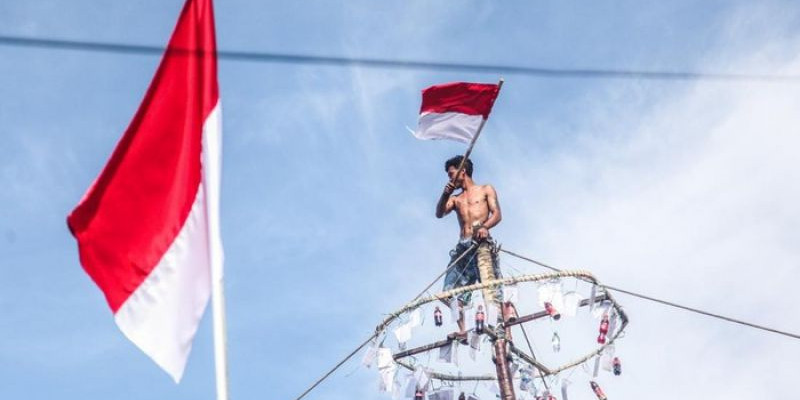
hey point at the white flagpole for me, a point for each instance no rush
(220, 337)
(212, 168)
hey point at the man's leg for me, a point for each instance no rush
(461, 334)
(462, 328)
(458, 276)
(489, 269)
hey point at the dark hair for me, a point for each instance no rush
(456, 161)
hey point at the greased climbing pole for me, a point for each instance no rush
(486, 256)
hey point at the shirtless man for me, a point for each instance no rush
(476, 205)
(478, 211)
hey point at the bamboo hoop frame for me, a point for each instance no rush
(541, 374)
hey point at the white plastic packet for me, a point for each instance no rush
(441, 394)
(422, 378)
(564, 384)
(572, 300)
(411, 386)
(510, 293)
(385, 358)
(403, 333)
(387, 378)
(446, 352)
(415, 318)
(369, 356)
(608, 358)
(596, 366)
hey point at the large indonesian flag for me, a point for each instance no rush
(455, 110)
(148, 228)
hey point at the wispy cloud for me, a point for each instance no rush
(687, 195)
(693, 200)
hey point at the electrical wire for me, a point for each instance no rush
(667, 303)
(307, 59)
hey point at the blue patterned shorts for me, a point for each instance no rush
(465, 272)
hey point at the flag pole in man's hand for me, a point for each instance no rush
(478, 133)
(456, 111)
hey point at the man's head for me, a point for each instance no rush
(451, 167)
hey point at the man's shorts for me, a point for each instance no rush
(465, 271)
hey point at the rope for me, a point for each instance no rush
(361, 346)
(524, 333)
(584, 275)
(452, 263)
(377, 331)
(668, 303)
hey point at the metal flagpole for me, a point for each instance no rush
(220, 337)
(212, 169)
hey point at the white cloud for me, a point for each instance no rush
(695, 201)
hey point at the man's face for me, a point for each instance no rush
(451, 172)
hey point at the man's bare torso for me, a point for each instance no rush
(476, 205)
(472, 207)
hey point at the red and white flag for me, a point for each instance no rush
(148, 227)
(455, 110)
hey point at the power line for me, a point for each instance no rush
(667, 303)
(285, 58)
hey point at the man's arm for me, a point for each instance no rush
(446, 203)
(495, 215)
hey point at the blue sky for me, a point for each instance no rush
(682, 190)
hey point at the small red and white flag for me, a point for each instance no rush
(455, 110)
(148, 227)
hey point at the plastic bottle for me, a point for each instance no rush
(509, 311)
(597, 391)
(546, 396)
(437, 317)
(603, 330)
(556, 341)
(525, 379)
(552, 311)
(480, 320)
